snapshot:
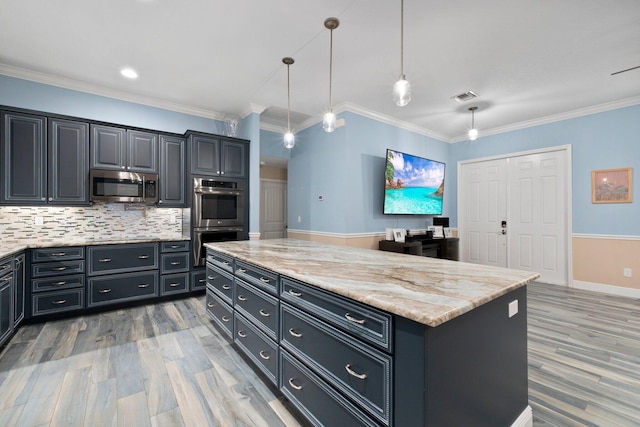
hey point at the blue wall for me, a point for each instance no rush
(272, 145)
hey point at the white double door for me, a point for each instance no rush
(514, 212)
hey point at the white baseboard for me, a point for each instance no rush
(525, 419)
(254, 236)
(607, 289)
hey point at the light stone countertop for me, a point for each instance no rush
(427, 290)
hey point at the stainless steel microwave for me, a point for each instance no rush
(123, 187)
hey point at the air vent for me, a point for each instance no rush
(465, 96)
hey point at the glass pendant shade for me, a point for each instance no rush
(329, 121)
(402, 92)
(473, 134)
(289, 140)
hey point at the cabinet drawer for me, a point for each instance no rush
(357, 370)
(108, 259)
(6, 266)
(57, 283)
(220, 282)
(174, 263)
(57, 302)
(264, 279)
(122, 287)
(220, 313)
(198, 280)
(57, 268)
(260, 349)
(367, 323)
(221, 260)
(317, 401)
(257, 306)
(174, 283)
(177, 246)
(57, 254)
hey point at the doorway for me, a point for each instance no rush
(273, 209)
(515, 212)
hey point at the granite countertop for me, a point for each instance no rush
(427, 290)
(10, 247)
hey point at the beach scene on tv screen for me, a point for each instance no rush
(413, 185)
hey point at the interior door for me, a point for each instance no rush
(273, 208)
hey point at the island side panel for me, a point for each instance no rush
(469, 371)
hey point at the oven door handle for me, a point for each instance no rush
(205, 190)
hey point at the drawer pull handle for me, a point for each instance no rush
(264, 355)
(242, 298)
(58, 253)
(225, 262)
(354, 373)
(265, 280)
(264, 313)
(210, 304)
(242, 270)
(143, 256)
(353, 319)
(59, 268)
(174, 285)
(104, 291)
(294, 293)
(5, 267)
(297, 387)
(60, 283)
(175, 263)
(226, 287)
(175, 246)
(242, 334)
(211, 277)
(61, 301)
(201, 280)
(105, 260)
(143, 285)
(225, 319)
(294, 333)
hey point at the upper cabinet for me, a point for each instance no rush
(172, 171)
(122, 149)
(43, 165)
(216, 156)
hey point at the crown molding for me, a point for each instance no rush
(49, 79)
(253, 108)
(272, 128)
(600, 108)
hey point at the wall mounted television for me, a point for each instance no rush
(413, 185)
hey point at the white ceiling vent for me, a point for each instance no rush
(468, 95)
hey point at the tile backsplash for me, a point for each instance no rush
(97, 222)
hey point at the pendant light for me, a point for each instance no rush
(473, 132)
(402, 88)
(289, 139)
(329, 118)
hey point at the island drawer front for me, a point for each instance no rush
(263, 279)
(357, 370)
(257, 306)
(174, 263)
(221, 282)
(367, 323)
(220, 313)
(57, 302)
(6, 266)
(58, 268)
(122, 287)
(198, 280)
(57, 254)
(107, 259)
(260, 349)
(177, 246)
(317, 400)
(57, 283)
(177, 283)
(221, 260)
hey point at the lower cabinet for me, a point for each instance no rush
(220, 312)
(198, 279)
(174, 268)
(6, 299)
(117, 288)
(262, 350)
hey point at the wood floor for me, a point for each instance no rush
(166, 365)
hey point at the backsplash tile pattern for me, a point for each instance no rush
(99, 222)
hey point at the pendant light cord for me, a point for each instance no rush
(402, 38)
(288, 101)
(330, 66)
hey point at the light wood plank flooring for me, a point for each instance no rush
(166, 365)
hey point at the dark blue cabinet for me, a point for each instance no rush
(172, 172)
(121, 149)
(68, 162)
(217, 156)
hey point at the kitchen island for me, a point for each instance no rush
(363, 337)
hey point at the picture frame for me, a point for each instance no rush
(611, 185)
(437, 230)
(399, 235)
(448, 233)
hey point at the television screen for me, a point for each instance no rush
(413, 185)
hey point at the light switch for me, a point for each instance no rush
(513, 308)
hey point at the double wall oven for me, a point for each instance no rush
(218, 213)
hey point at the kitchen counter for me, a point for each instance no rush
(427, 290)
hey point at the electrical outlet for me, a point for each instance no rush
(626, 272)
(38, 220)
(299, 218)
(513, 308)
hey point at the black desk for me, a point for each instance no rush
(445, 248)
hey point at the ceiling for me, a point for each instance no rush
(529, 61)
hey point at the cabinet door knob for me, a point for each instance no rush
(51, 199)
(44, 199)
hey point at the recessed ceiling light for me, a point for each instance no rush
(129, 73)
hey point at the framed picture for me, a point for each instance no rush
(437, 231)
(611, 186)
(447, 232)
(399, 234)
